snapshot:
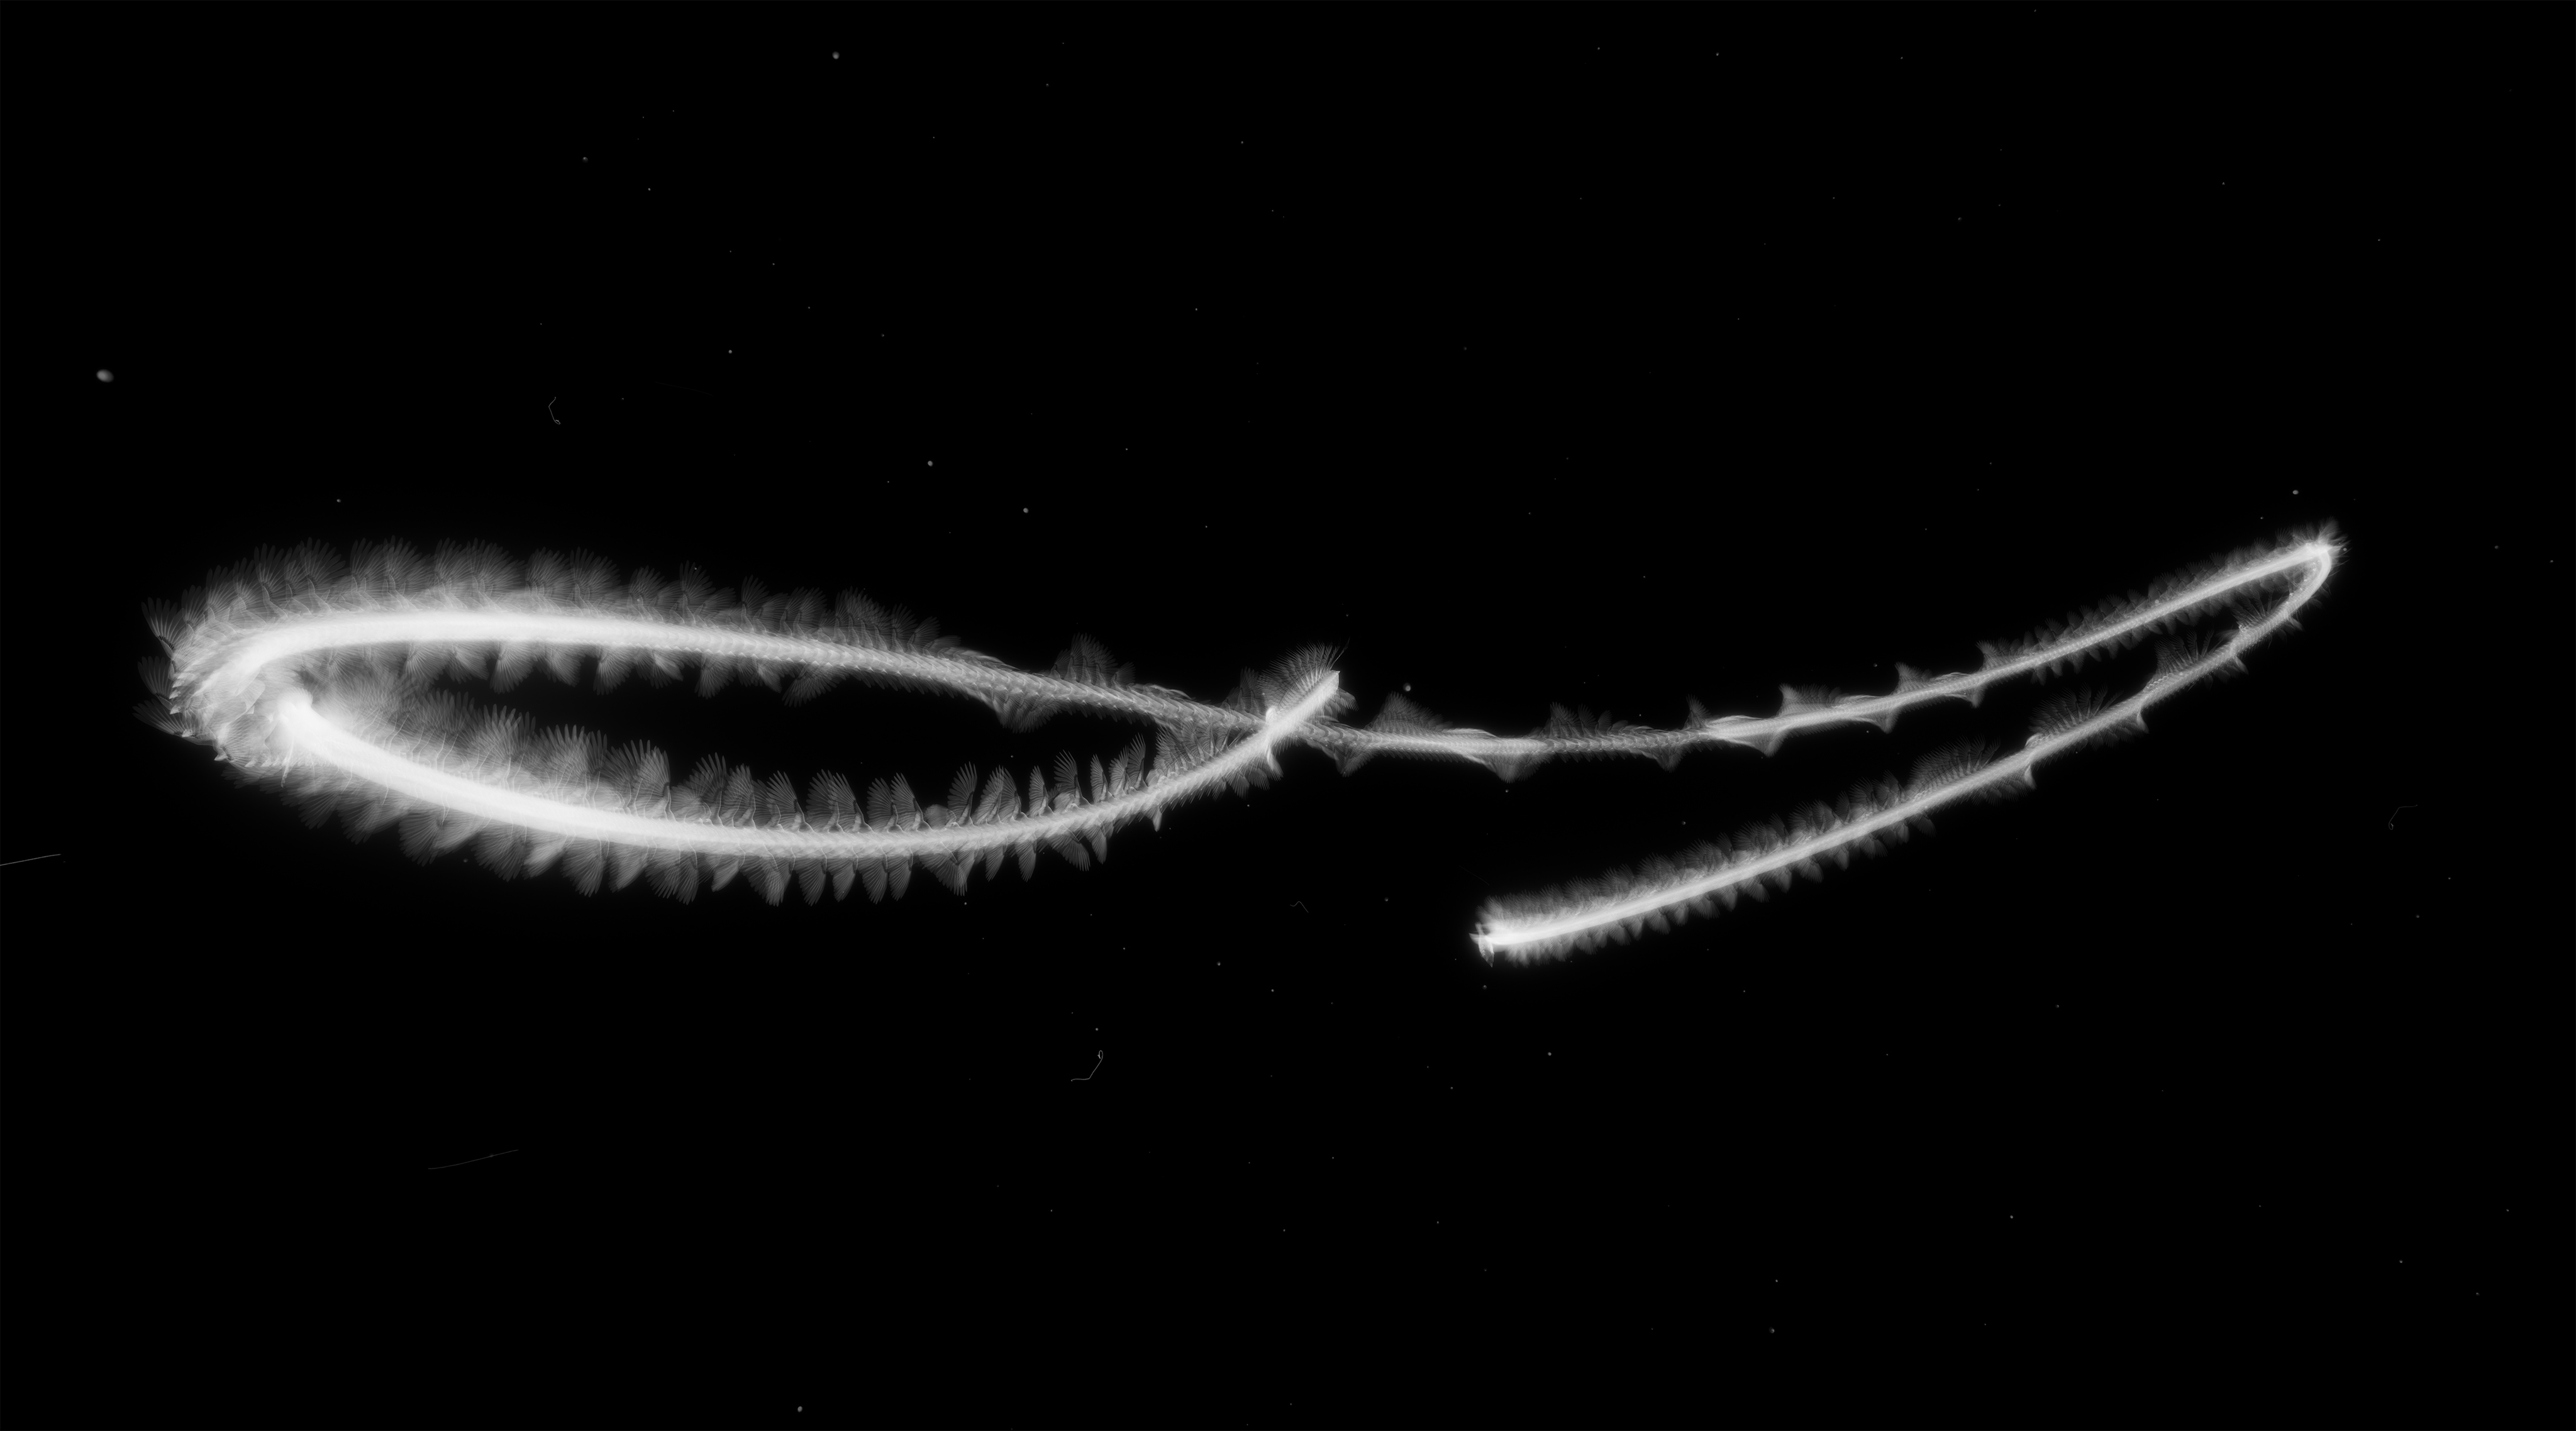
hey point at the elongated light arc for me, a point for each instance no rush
(319, 677)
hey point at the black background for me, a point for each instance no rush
(1531, 355)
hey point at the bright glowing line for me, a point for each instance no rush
(1620, 905)
(315, 676)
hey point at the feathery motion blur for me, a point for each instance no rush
(317, 676)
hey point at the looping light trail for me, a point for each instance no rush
(317, 676)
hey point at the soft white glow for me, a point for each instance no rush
(1619, 905)
(318, 676)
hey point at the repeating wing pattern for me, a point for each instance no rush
(319, 676)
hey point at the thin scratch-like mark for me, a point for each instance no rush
(445, 1166)
(1103, 1057)
(2393, 814)
(1301, 904)
(4, 864)
(550, 410)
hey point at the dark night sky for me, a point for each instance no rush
(1605, 356)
